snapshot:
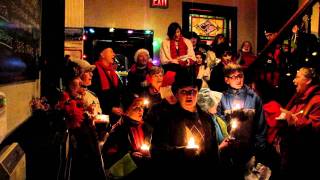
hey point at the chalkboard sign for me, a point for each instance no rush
(19, 40)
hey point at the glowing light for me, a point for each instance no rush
(112, 30)
(102, 118)
(237, 106)
(155, 44)
(84, 56)
(91, 30)
(234, 124)
(130, 31)
(314, 53)
(192, 144)
(307, 59)
(84, 37)
(300, 112)
(288, 74)
(145, 147)
(146, 102)
(148, 32)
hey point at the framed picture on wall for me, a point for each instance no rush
(210, 20)
(19, 40)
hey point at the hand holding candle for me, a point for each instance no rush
(234, 125)
(192, 144)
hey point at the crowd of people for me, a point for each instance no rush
(192, 116)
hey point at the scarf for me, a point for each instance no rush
(182, 48)
(134, 67)
(107, 75)
(137, 137)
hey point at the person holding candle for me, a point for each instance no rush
(302, 115)
(240, 103)
(107, 85)
(184, 137)
(129, 135)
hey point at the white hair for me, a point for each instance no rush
(139, 51)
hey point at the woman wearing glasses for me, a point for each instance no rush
(302, 115)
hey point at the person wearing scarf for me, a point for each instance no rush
(176, 50)
(129, 136)
(107, 85)
(138, 71)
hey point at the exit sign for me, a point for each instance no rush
(164, 4)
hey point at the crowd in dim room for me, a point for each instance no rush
(200, 114)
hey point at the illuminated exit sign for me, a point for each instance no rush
(159, 4)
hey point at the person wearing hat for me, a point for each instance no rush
(83, 159)
(107, 85)
(91, 101)
(184, 123)
(138, 71)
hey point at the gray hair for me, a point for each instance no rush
(139, 51)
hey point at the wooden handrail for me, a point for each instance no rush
(298, 14)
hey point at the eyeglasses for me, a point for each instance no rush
(189, 92)
(235, 77)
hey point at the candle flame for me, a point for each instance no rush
(192, 144)
(102, 117)
(237, 106)
(234, 124)
(145, 147)
(146, 102)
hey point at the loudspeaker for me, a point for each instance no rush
(12, 163)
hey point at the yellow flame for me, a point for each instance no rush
(145, 147)
(234, 124)
(102, 117)
(146, 102)
(192, 144)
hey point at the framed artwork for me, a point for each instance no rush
(209, 20)
(207, 27)
(19, 40)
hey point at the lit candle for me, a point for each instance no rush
(102, 118)
(234, 125)
(145, 147)
(192, 144)
(146, 102)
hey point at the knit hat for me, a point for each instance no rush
(84, 65)
(185, 78)
(139, 51)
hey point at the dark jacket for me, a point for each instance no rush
(169, 139)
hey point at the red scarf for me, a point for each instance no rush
(105, 71)
(137, 136)
(182, 48)
(134, 67)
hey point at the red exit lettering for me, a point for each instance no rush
(159, 3)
